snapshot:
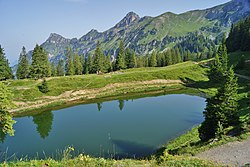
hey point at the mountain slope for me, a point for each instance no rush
(148, 33)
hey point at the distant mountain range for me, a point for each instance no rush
(153, 33)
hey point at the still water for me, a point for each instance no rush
(119, 128)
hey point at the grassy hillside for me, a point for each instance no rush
(94, 86)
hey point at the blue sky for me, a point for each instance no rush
(27, 22)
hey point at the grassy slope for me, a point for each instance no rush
(27, 90)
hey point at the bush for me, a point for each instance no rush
(44, 87)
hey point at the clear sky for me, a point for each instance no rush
(27, 22)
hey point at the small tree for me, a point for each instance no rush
(44, 87)
(23, 65)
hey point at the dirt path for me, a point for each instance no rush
(235, 154)
(243, 76)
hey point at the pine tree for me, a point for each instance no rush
(6, 121)
(178, 55)
(69, 66)
(98, 59)
(23, 65)
(53, 69)
(222, 53)
(168, 58)
(221, 110)
(220, 65)
(89, 65)
(5, 70)
(120, 59)
(152, 60)
(40, 66)
(132, 61)
(128, 55)
(77, 65)
(60, 68)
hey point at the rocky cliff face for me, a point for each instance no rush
(148, 33)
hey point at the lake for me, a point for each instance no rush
(117, 129)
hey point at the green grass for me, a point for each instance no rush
(27, 90)
(86, 161)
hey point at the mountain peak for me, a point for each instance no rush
(56, 38)
(130, 18)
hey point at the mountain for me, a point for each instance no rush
(154, 33)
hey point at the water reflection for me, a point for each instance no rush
(99, 106)
(44, 123)
(121, 104)
(2, 136)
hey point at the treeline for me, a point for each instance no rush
(239, 36)
(93, 63)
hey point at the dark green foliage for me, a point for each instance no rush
(23, 65)
(120, 59)
(5, 70)
(6, 121)
(239, 36)
(89, 65)
(196, 42)
(121, 104)
(99, 106)
(78, 65)
(44, 123)
(53, 69)
(220, 65)
(60, 68)
(152, 60)
(222, 109)
(40, 66)
(44, 87)
(69, 66)
(98, 59)
(242, 63)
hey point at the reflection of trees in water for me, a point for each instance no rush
(121, 104)
(99, 106)
(44, 123)
(2, 136)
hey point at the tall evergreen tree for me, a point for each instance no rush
(132, 61)
(120, 59)
(152, 60)
(60, 68)
(98, 59)
(89, 66)
(69, 66)
(221, 110)
(23, 65)
(5, 70)
(40, 66)
(77, 65)
(53, 69)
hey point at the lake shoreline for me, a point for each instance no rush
(152, 90)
